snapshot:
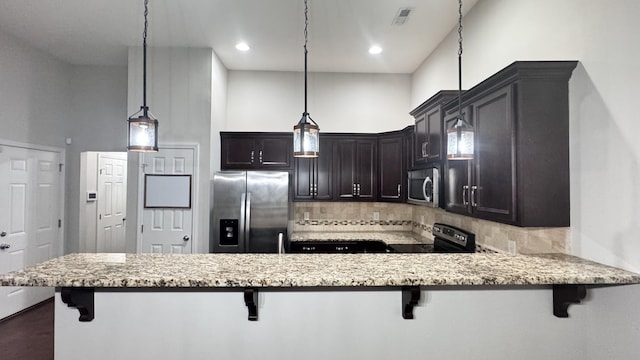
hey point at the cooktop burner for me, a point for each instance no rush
(411, 248)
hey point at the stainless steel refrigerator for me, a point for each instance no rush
(249, 211)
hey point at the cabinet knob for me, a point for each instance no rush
(185, 238)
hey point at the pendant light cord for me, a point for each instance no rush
(460, 59)
(306, 25)
(144, 60)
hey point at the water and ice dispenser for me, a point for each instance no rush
(228, 232)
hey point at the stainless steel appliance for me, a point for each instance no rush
(450, 239)
(249, 211)
(423, 187)
(447, 239)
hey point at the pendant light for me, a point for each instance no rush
(460, 137)
(143, 125)
(306, 142)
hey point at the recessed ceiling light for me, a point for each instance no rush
(375, 49)
(242, 46)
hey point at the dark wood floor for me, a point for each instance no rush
(28, 335)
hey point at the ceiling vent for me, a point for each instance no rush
(402, 16)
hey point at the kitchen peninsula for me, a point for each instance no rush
(310, 306)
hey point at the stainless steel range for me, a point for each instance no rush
(447, 239)
(450, 239)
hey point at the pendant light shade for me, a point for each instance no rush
(306, 133)
(306, 138)
(143, 126)
(143, 132)
(460, 141)
(460, 144)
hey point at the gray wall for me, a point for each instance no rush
(35, 93)
(179, 94)
(97, 122)
(338, 102)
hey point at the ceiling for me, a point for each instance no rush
(98, 32)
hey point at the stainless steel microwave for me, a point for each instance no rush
(423, 187)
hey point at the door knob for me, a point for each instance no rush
(4, 246)
(3, 234)
(185, 238)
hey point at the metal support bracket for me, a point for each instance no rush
(410, 298)
(565, 295)
(81, 299)
(251, 300)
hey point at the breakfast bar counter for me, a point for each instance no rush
(317, 270)
(319, 306)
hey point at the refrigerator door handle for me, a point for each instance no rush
(241, 232)
(248, 222)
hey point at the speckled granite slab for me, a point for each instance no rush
(317, 270)
(389, 237)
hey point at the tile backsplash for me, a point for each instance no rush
(374, 216)
(351, 216)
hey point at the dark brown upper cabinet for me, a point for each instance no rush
(520, 171)
(392, 170)
(355, 167)
(256, 151)
(312, 177)
(428, 132)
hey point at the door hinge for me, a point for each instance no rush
(100, 171)
(141, 228)
(59, 223)
(60, 167)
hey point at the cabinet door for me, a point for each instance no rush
(456, 196)
(344, 158)
(433, 119)
(457, 177)
(391, 172)
(421, 142)
(493, 191)
(238, 153)
(366, 166)
(409, 148)
(275, 152)
(303, 178)
(323, 170)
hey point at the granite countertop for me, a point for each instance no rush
(389, 237)
(311, 270)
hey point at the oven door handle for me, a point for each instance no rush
(427, 198)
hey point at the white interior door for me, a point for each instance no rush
(167, 230)
(112, 202)
(29, 219)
